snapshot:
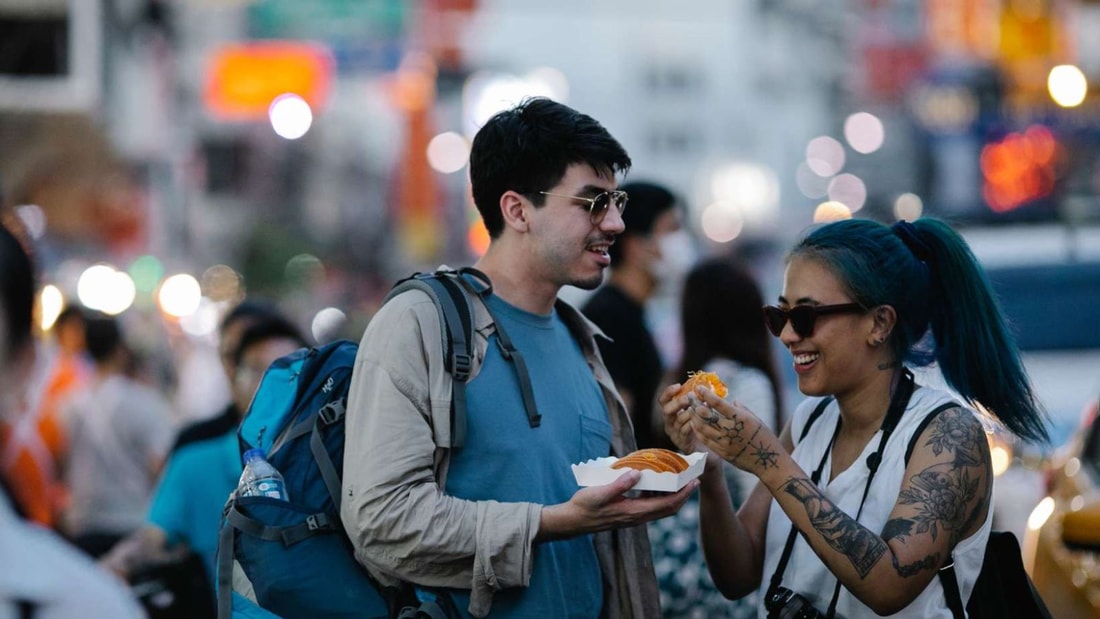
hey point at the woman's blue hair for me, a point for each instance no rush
(947, 312)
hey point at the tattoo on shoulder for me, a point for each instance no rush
(956, 431)
(862, 547)
(900, 528)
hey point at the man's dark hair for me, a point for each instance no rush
(527, 149)
(17, 290)
(250, 309)
(647, 202)
(102, 336)
(263, 329)
(71, 312)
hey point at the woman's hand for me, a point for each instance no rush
(733, 433)
(677, 415)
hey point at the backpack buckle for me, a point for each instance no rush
(332, 412)
(316, 522)
(462, 366)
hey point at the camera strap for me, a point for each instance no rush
(898, 402)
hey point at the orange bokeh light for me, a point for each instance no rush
(1019, 169)
(243, 79)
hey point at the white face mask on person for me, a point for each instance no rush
(678, 255)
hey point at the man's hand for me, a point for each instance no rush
(601, 508)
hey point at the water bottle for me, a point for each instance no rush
(260, 478)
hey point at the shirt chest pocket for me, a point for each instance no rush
(595, 438)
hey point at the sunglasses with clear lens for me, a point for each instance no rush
(598, 205)
(803, 317)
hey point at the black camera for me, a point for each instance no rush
(786, 604)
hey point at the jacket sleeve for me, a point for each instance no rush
(401, 523)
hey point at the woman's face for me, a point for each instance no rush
(835, 358)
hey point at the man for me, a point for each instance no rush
(120, 431)
(508, 531)
(618, 308)
(200, 474)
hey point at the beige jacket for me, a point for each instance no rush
(403, 526)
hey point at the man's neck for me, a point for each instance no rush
(516, 286)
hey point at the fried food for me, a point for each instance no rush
(706, 379)
(658, 460)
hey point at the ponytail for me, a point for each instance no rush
(976, 352)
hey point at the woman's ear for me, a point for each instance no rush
(513, 210)
(885, 319)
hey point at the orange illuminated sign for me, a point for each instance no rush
(243, 79)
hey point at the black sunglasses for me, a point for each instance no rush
(598, 205)
(803, 317)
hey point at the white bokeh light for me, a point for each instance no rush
(1067, 85)
(327, 323)
(849, 190)
(180, 295)
(752, 188)
(203, 321)
(290, 116)
(809, 183)
(908, 206)
(864, 132)
(448, 152)
(33, 218)
(722, 222)
(486, 93)
(825, 156)
(105, 289)
(51, 301)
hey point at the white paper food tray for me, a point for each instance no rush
(598, 472)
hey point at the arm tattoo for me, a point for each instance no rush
(840, 531)
(765, 456)
(900, 528)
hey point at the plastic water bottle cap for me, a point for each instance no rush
(252, 454)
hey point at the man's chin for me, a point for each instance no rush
(588, 284)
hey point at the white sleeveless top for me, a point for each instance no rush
(805, 572)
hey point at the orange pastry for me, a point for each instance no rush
(706, 379)
(659, 460)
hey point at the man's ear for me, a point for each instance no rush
(513, 208)
(885, 319)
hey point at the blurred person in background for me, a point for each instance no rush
(36, 446)
(507, 533)
(639, 257)
(120, 431)
(877, 521)
(722, 333)
(202, 471)
(233, 324)
(41, 576)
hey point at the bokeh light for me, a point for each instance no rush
(1020, 168)
(180, 295)
(753, 188)
(1040, 514)
(831, 211)
(825, 156)
(105, 289)
(327, 323)
(849, 190)
(146, 272)
(50, 304)
(304, 269)
(1067, 85)
(722, 222)
(908, 206)
(290, 116)
(809, 183)
(864, 132)
(486, 93)
(203, 321)
(221, 283)
(448, 152)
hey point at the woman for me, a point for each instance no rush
(42, 576)
(875, 522)
(722, 333)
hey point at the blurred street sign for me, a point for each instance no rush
(243, 79)
(50, 55)
(364, 35)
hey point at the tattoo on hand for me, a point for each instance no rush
(733, 433)
(840, 531)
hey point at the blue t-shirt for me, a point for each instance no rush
(191, 493)
(507, 460)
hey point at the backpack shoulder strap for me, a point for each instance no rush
(456, 316)
(923, 425)
(821, 406)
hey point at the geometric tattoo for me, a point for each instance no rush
(862, 547)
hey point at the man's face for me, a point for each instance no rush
(570, 248)
(254, 362)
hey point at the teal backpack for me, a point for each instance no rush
(295, 554)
